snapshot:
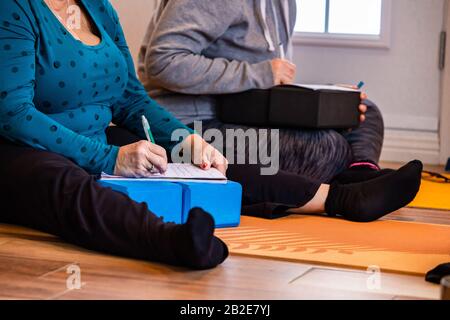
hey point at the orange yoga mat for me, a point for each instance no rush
(393, 246)
(433, 195)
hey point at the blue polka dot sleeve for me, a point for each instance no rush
(20, 121)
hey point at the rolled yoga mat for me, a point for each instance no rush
(401, 247)
(433, 195)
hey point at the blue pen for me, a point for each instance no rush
(360, 85)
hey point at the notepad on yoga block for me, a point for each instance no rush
(183, 187)
(178, 171)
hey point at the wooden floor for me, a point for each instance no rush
(34, 265)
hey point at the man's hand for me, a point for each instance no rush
(283, 71)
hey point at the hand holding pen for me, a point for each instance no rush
(141, 159)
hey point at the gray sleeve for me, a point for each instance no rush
(174, 57)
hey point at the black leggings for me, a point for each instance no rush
(48, 192)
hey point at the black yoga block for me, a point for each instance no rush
(292, 106)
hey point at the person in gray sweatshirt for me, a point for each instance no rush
(195, 50)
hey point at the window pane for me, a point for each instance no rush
(355, 16)
(310, 16)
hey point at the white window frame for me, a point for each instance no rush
(382, 41)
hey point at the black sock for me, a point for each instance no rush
(360, 174)
(368, 201)
(195, 245)
(438, 273)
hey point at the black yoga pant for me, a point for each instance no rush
(48, 192)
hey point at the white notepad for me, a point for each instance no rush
(317, 87)
(178, 171)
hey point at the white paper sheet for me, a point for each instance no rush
(178, 171)
(324, 87)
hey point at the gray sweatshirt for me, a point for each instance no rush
(197, 49)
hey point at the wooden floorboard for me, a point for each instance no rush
(421, 216)
(33, 265)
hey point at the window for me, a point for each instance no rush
(343, 22)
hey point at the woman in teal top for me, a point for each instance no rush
(60, 88)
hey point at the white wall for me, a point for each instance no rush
(135, 16)
(403, 80)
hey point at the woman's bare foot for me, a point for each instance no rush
(317, 204)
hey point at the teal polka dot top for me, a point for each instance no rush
(58, 94)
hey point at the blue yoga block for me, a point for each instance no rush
(174, 200)
(447, 168)
(162, 198)
(222, 200)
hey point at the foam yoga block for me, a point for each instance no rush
(162, 198)
(292, 107)
(222, 200)
(174, 200)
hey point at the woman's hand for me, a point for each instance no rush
(138, 160)
(204, 155)
(283, 71)
(363, 108)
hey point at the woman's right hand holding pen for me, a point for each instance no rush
(140, 159)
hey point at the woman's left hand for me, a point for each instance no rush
(363, 108)
(204, 155)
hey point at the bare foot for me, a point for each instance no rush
(317, 204)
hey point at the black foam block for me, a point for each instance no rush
(292, 106)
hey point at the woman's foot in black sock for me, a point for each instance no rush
(370, 200)
(195, 245)
(360, 174)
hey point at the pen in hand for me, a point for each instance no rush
(147, 130)
(149, 135)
